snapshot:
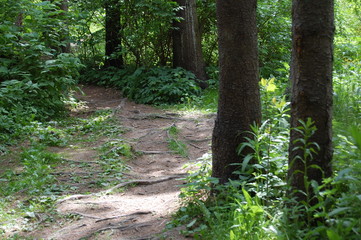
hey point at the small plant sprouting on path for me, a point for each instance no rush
(113, 157)
(174, 143)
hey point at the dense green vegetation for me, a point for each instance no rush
(256, 206)
(37, 78)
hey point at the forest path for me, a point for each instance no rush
(142, 210)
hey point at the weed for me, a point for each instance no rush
(34, 176)
(347, 96)
(173, 131)
(34, 180)
(179, 147)
(232, 215)
(207, 102)
(174, 143)
(113, 157)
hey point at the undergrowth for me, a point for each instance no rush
(30, 185)
(158, 85)
(257, 205)
(35, 81)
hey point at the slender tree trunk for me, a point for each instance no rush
(239, 97)
(311, 76)
(187, 48)
(19, 20)
(64, 6)
(112, 34)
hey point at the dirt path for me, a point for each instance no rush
(144, 208)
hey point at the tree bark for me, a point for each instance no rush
(239, 98)
(187, 48)
(64, 6)
(112, 34)
(311, 77)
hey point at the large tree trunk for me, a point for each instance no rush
(239, 97)
(311, 76)
(112, 34)
(187, 48)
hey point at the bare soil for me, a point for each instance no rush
(142, 210)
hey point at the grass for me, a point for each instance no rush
(205, 103)
(34, 176)
(347, 97)
(29, 187)
(113, 156)
(175, 144)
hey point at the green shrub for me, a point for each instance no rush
(161, 85)
(34, 80)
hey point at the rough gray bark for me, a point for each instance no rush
(187, 48)
(112, 34)
(311, 76)
(239, 97)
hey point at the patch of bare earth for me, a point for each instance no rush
(142, 210)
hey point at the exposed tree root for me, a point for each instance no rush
(126, 215)
(76, 173)
(155, 116)
(137, 182)
(149, 133)
(193, 145)
(155, 152)
(198, 140)
(143, 182)
(74, 197)
(83, 215)
(119, 227)
(80, 162)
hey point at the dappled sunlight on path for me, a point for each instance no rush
(142, 209)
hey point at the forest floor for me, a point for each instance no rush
(141, 204)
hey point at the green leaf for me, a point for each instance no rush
(189, 225)
(332, 235)
(4, 69)
(232, 236)
(338, 211)
(356, 135)
(271, 87)
(247, 196)
(246, 161)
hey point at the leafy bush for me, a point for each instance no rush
(159, 85)
(109, 77)
(34, 76)
(162, 85)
